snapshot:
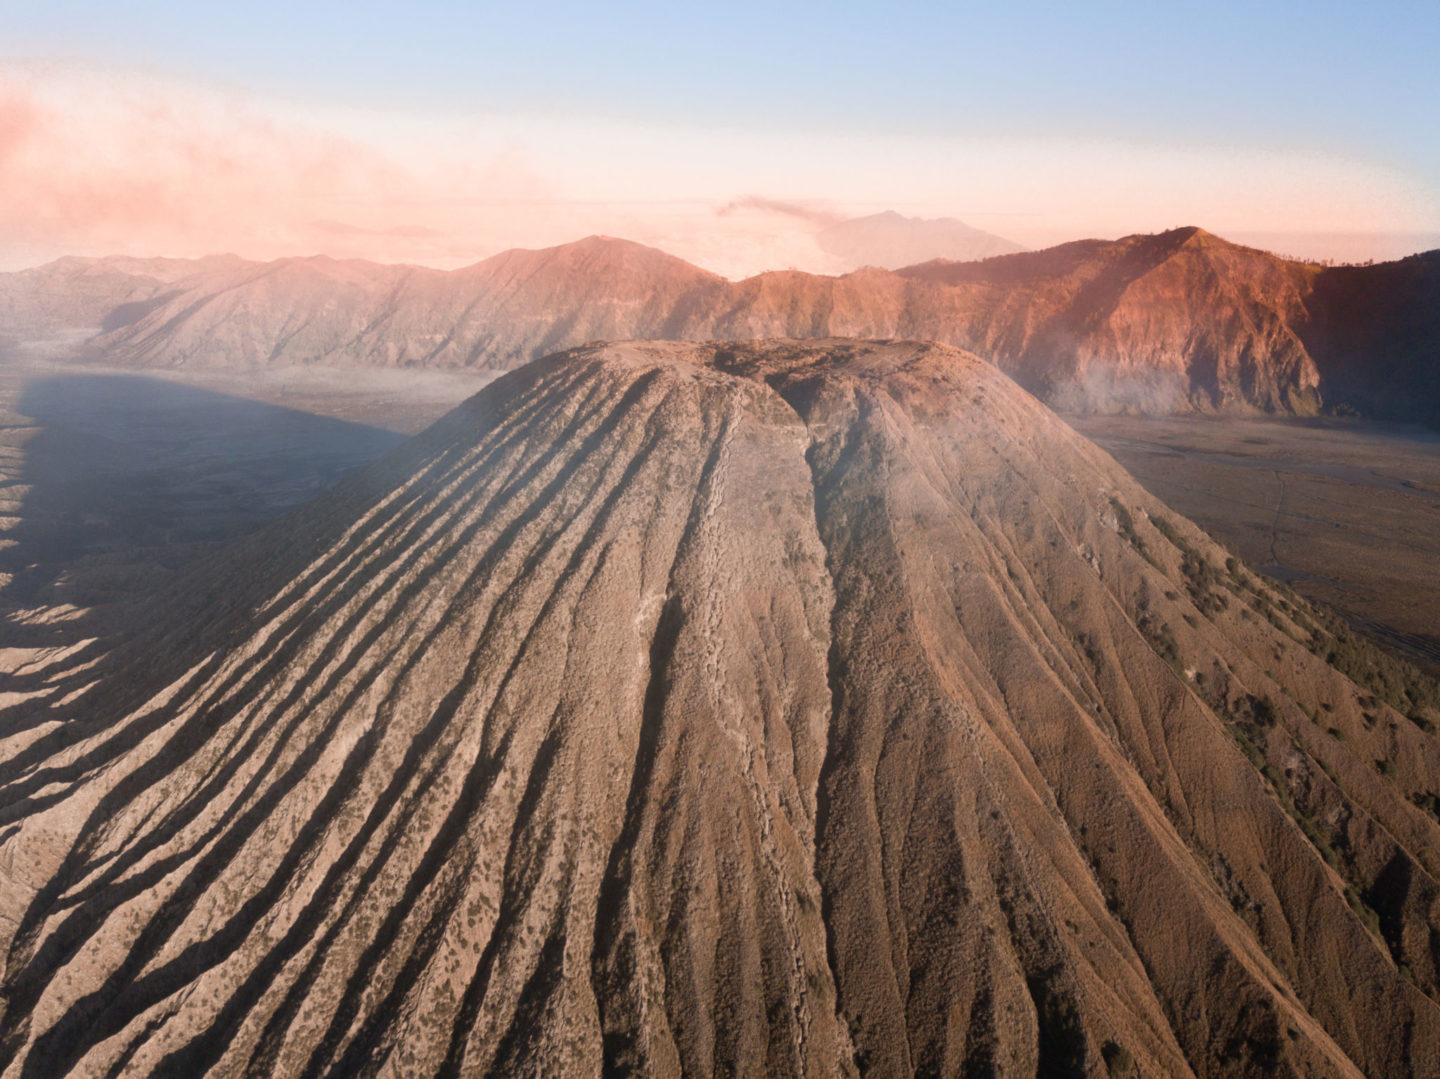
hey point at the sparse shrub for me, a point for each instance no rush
(1161, 639)
(1320, 842)
(1203, 582)
(1263, 710)
(1387, 678)
(1127, 526)
(1247, 745)
(1118, 1060)
(1062, 1039)
(1429, 802)
(1166, 528)
(1362, 910)
(1091, 649)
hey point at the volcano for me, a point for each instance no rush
(822, 707)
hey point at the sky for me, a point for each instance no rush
(443, 132)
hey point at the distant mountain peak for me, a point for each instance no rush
(890, 240)
(597, 250)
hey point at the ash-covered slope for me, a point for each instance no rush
(783, 708)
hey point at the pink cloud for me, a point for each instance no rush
(95, 162)
(109, 167)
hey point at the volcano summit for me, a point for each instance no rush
(772, 708)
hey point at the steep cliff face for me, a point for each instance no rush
(1375, 334)
(1160, 323)
(787, 708)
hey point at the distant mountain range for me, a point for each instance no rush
(891, 240)
(1174, 322)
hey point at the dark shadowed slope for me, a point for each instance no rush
(1175, 322)
(1375, 336)
(780, 708)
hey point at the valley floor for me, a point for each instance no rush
(111, 479)
(1344, 512)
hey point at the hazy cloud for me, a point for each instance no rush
(344, 228)
(106, 162)
(809, 214)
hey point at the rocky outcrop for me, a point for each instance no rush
(781, 708)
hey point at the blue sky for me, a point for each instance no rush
(1350, 82)
(1355, 77)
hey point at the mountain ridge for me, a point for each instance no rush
(1170, 322)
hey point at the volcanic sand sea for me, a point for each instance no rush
(1345, 512)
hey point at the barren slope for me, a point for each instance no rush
(81, 297)
(791, 708)
(497, 314)
(1159, 323)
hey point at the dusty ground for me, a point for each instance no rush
(1346, 513)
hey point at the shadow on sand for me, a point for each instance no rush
(125, 479)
